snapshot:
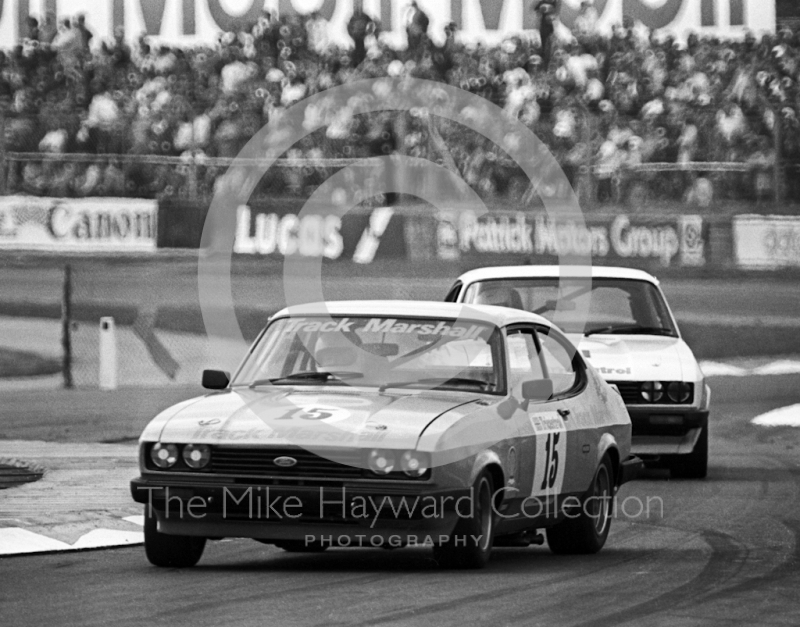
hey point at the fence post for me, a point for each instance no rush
(193, 179)
(3, 173)
(108, 354)
(779, 171)
(66, 328)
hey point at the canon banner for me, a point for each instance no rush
(625, 239)
(190, 22)
(766, 242)
(80, 225)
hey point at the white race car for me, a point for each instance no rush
(374, 423)
(632, 340)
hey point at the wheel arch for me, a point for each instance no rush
(608, 446)
(490, 461)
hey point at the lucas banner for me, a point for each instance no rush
(193, 22)
(361, 237)
(766, 242)
(80, 225)
(625, 239)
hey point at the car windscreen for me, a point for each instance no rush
(380, 352)
(616, 306)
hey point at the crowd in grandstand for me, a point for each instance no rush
(601, 102)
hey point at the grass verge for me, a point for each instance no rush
(14, 363)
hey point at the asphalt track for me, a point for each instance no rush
(172, 281)
(723, 551)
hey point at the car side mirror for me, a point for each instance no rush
(216, 379)
(540, 390)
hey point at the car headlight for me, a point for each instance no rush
(164, 455)
(197, 456)
(381, 462)
(652, 391)
(679, 391)
(414, 464)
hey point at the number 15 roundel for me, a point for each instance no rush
(551, 453)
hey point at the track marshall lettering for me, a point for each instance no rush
(384, 325)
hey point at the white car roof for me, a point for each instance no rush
(534, 272)
(500, 316)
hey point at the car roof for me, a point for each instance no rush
(533, 272)
(500, 316)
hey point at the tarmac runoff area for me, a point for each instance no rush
(83, 502)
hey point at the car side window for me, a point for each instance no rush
(560, 360)
(452, 295)
(523, 358)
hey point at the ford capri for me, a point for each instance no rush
(391, 424)
(629, 334)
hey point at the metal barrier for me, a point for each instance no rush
(606, 161)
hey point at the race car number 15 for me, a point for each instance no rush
(551, 454)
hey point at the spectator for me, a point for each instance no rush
(417, 30)
(634, 97)
(85, 33)
(548, 14)
(32, 28)
(358, 28)
(586, 22)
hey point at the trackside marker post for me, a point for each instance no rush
(66, 328)
(108, 354)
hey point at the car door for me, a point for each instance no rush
(543, 444)
(572, 426)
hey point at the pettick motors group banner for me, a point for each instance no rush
(766, 242)
(666, 241)
(80, 224)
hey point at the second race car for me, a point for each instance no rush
(631, 337)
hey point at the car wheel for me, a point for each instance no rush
(470, 544)
(586, 533)
(170, 551)
(300, 546)
(695, 464)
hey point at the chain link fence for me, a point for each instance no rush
(699, 156)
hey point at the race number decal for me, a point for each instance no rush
(325, 413)
(551, 453)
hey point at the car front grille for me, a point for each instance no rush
(337, 464)
(630, 390)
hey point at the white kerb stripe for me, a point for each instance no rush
(781, 417)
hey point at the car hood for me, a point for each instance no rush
(308, 417)
(639, 358)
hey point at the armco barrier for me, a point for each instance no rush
(276, 228)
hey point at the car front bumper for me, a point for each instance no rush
(658, 431)
(359, 513)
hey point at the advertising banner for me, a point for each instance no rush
(668, 241)
(766, 242)
(193, 22)
(79, 224)
(361, 237)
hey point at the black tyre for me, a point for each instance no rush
(470, 545)
(586, 533)
(299, 546)
(170, 551)
(695, 464)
